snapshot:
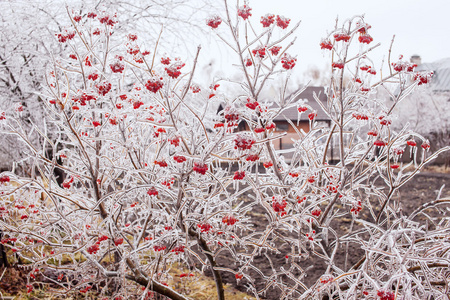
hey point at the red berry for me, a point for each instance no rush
(229, 220)
(288, 62)
(152, 191)
(411, 143)
(365, 39)
(275, 50)
(326, 44)
(214, 22)
(267, 20)
(283, 22)
(200, 168)
(179, 158)
(244, 12)
(239, 175)
(341, 37)
(379, 143)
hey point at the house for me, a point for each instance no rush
(292, 114)
(300, 121)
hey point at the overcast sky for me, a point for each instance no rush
(420, 27)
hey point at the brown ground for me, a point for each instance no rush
(421, 189)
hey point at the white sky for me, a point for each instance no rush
(420, 27)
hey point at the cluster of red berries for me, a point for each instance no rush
(118, 241)
(411, 143)
(312, 115)
(93, 249)
(195, 88)
(161, 163)
(341, 37)
(7, 240)
(239, 175)
(117, 67)
(326, 44)
(4, 179)
(360, 117)
(259, 52)
(252, 157)
(243, 142)
(175, 141)
(200, 168)
(423, 77)
(316, 212)
(426, 145)
(231, 115)
(325, 279)
(158, 248)
(66, 184)
(132, 37)
(103, 88)
(338, 65)
(279, 204)
(174, 69)
(267, 20)
(275, 50)
(365, 39)
(402, 66)
(386, 295)
(270, 126)
(214, 22)
(251, 104)
(179, 158)
(267, 164)
(66, 36)
(107, 20)
(204, 227)
(384, 121)
(168, 182)
(244, 12)
(356, 208)
(152, 191)
(229, 220)
(398, 151)
(178, 249)
(368, 69)
(93, 76)
(288, 62)
(283, 22)
(379, 143)
(137, 104)
(154, 84)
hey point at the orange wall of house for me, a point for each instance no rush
(286, 141)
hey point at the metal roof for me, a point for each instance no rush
(306, 97)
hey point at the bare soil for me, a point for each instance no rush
(422, 189)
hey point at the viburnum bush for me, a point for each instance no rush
(156, 178)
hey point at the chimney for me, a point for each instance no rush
(415, 59)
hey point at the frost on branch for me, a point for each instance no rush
(155, 178)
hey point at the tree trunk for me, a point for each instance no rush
(3, 258)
